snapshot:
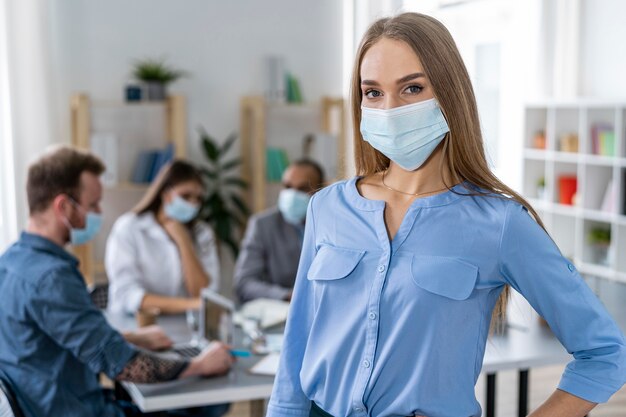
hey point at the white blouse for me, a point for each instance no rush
(141, 258)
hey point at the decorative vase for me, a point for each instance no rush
(156, 91)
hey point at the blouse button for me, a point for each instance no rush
(381, 268)
(366, 364)
(372, 316)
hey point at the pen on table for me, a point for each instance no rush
(240, 353)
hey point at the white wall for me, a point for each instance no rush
(602, 54)
(221, 43)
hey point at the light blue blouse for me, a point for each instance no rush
(396, 328)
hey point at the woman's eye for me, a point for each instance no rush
(372, 93)
(414, 89)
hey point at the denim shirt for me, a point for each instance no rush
(53, 340)
(398, 328)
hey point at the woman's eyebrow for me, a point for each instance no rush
(410, 77)
(400, 81)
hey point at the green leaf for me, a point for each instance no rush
(210, 150)
(230, 164)
(235, 181)
(228, 143)
(240, 204)
(209, 173)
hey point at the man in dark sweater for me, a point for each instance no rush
(268, 262)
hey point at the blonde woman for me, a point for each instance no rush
(404, 266)
(159, 255)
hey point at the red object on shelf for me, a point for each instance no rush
(567, 189)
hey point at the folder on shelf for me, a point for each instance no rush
(144, 166)
(162, 157)
(277, 162)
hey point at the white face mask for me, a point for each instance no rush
(407, 135)
(293, 205)
(93, 223)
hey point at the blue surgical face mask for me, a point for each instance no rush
(93, 223)
(407, 135)
(181, 210)
(293, 204)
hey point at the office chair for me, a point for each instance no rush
(8, 402)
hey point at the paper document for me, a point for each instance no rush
(268, 312)
(266, 366)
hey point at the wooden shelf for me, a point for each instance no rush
(171, 125)
(258, 129)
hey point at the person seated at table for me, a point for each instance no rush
(160, 255)
(268, 262)
(53, 339)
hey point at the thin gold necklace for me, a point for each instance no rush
(404, 192)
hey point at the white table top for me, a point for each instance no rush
(518, 348)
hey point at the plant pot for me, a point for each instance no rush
(156, 91)
(601, 253)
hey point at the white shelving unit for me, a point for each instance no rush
(570, 225)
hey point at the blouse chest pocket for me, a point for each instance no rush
(448, 277)
(333, 263)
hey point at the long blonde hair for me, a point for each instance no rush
(463, 145)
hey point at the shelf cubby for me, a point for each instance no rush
(536, 122)
(597, 116)
(566, 122)
(596, 182)
(534, 171)
(563, 231)
(562, 169)
(597, 254)
(621, 249)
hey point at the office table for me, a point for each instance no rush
(520, 348)
(238, 385)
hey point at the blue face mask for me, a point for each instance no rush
(407, 135)
(292, 205)
(181, 210)
(93, 223)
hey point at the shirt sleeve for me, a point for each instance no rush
(251, 269)
(206, 248)
(64, 311)
(532, 264)
(287, 398)
(126, 290)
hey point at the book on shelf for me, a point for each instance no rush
(293, 90)
(603, 139)
(609, 201)
(150, 162)
(277, 162)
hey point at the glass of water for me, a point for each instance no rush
(193, 322)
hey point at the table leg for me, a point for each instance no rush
(491, 395)
(257, 408)
(522, 404)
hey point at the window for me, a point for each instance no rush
(8, 220)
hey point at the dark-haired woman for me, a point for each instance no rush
(160, 255)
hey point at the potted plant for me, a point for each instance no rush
(156, 75)
(541, 188)
(223, 207)
(600, 241)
